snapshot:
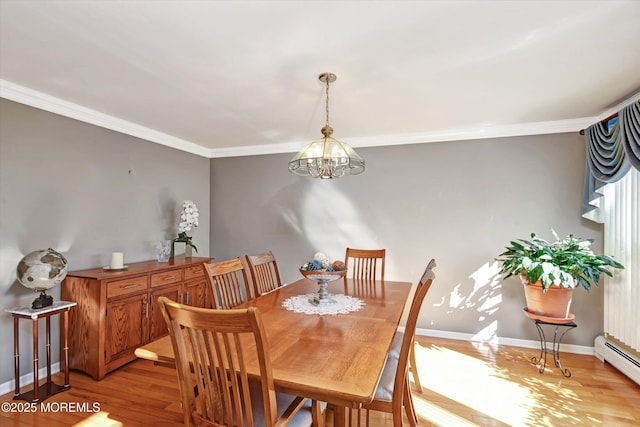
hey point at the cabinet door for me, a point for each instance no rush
(157, 324)
(126, 326)
(196, 293)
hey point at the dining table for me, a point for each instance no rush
(334, 358)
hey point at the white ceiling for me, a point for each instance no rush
(225, 78)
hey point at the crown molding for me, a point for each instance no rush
(616, 108)
(256, 150)
(33, 98)
(484, 132)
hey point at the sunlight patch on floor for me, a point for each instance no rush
(474, 383)
(438, 415)
(99, 419)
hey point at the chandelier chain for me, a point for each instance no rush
(327, 102)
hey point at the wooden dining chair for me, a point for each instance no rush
(264, 273)
(393, 391)
(365, 264)
(218, 390)
(228, 282)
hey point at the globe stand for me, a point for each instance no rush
(42, 301)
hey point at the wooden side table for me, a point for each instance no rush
(49, 388)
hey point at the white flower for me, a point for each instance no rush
(189, 216)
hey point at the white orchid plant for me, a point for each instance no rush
(188, 220)
(566, 263)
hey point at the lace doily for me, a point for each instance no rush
(343, 304)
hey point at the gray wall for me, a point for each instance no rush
(86, 192)
(458, 202)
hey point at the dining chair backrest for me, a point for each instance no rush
(264, 273)
(393, 391)
(228, 282)
(211, 349)
(365, 264)
(400, 380)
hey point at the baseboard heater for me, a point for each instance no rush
(617, 356)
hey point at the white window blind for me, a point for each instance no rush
(622, 241)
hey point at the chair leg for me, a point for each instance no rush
(358, 421)
(409, 409)
(413, 366)
(317, 415)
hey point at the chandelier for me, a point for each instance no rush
(327, 157)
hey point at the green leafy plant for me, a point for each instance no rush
(567, 262)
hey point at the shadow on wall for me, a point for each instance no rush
(168, 207)
(59, 235)
(324, 218)
(474, 302)
(321, 216)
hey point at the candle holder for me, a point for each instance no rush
(323, 278)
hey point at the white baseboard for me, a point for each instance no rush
(566, 348)
(27, 379)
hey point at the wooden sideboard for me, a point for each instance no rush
(118, 311)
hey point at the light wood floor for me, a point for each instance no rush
(464, 385)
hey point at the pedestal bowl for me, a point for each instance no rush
(323, 278)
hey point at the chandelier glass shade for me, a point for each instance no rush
(327, 157)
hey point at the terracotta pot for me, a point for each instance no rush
(553, 303)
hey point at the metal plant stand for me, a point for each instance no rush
(542, 359)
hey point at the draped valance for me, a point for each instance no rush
(611, 152)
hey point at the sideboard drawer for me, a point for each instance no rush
(192, 272)
(127, 286)
(166, 277)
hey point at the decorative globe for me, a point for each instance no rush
(42, 270)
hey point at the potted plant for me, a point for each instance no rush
(189, 219)
(550, 271)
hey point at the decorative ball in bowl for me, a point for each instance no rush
(325, 271)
